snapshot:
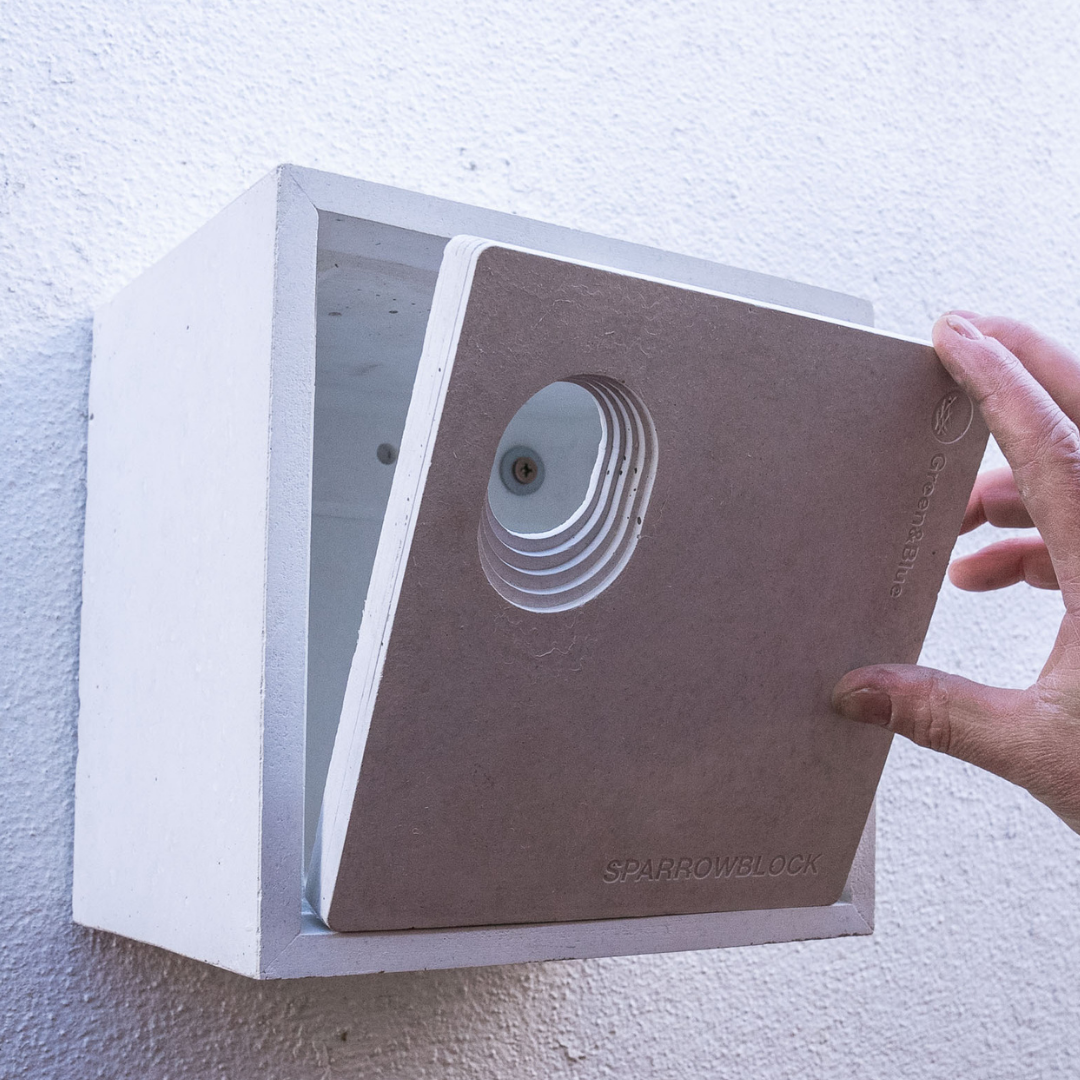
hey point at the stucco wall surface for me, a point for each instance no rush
(923, 154)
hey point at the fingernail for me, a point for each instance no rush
(963, 327)
(866, 706)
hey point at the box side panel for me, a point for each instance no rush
(340, 195)
(287, 568)
(321, 952)
(861, 888)
(168, 786)
(373, 304)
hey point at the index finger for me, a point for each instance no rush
(1040, 442)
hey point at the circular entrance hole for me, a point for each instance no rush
(567, 493)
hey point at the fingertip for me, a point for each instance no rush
(959, 575)
(975, 360)
(983, 572)
(955, 323)
(866, 705)
(878, 678)
(949, 343)
(849, 684)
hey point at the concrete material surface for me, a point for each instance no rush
(922, 156)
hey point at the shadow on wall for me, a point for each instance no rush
(135, 1010)
(148, 1012)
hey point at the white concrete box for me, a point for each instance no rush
(228, 551)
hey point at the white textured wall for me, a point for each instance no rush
(922, 154)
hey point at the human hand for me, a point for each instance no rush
(1028, 389)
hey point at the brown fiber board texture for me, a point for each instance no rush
(674, 733)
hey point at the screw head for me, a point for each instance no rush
(525, 470)
(522, 470)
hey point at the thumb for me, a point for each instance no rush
(945, 712)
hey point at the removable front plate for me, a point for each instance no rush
(662, 745)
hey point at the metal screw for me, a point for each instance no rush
(524, 470)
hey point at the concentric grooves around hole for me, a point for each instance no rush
(569, 565)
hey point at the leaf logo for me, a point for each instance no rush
(952, 417)
(942, 414)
